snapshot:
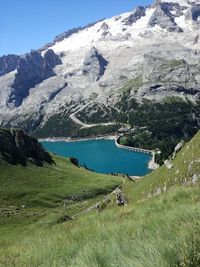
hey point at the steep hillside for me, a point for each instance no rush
(183, 170)
(16, 147)
(158, 226)
(88, 75)
(32, 176)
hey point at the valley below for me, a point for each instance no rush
(59, 214)
(102, 156)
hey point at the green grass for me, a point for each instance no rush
(132, 84)
(159, 232)
(46, 186)
(175, 63)
(42, 190)
(186, 166)
(157, 228)
(172, 100)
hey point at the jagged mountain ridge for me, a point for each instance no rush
(156, 46)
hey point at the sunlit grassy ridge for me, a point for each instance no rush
(159, 227)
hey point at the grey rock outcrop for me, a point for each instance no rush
(31, 70)
(193, 13)
(104, 26)
(170, 77)
(136, 15)
(164, 18)
(94, 65)
(8, 63)
(51, 59)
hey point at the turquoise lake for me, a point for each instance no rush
(102, 156)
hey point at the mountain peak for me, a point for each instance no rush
(88, 66)
(179, 2)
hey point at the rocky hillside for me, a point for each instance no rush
(16, 147)
(90, 74)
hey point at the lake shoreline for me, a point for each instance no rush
(151, 165)
(68, 139)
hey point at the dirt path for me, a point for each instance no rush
(87, 125)
(84, 125)
(117, 190)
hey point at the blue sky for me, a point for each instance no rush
(29, 24)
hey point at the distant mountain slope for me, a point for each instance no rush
(148, 53)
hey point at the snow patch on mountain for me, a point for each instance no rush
(157, 48)
(180, 2)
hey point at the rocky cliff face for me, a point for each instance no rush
(16, 147)
(164, 17)
(94, 65)
(32, 69)
(151, 52)
(135, 15)
(8, 63)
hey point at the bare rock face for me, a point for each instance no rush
(183, 77)
(31, 70)
(94, 65)
(104, 26)
(8, 63)
(16, 147)
(136, 15)
(193, 13)
(51, 59)
(164, 18)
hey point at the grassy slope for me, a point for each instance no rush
(186, 166)
(49, 185)
(152, 230)
(42, 191)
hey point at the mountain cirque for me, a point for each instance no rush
(155, 48)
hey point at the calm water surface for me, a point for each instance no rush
(102, 156)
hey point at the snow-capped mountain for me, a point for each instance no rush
(151, 52)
